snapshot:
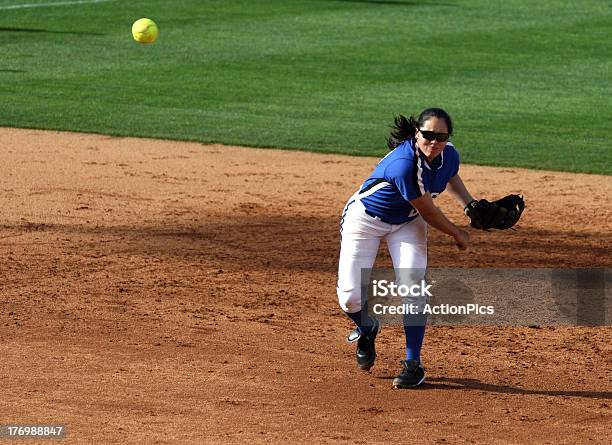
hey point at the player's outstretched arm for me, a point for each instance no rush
(457, 188)
(435, 218)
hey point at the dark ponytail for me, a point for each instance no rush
(404, 129)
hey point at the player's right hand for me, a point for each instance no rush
(462, 238)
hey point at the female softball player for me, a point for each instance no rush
(395, 203)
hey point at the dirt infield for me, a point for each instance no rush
(165, 292)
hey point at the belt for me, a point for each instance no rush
(377, 217)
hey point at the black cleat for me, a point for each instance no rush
(366, 351)
(412, 375)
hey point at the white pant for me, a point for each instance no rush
(360, 238)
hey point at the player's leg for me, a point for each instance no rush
(408, 249)
(360, 236)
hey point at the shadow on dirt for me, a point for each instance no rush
(474, 384)
(303, 243)
(311, 243)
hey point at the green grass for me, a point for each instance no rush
(528, 83)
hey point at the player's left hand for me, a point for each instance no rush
(501, 214)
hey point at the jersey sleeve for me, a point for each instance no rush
(455, 160)
(406, 174)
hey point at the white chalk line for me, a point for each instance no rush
(46, 5)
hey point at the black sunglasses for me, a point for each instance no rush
(431, 135)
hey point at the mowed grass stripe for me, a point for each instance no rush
(526, 83)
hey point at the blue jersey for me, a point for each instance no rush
(403, 175)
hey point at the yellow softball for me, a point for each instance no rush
(145, 31)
